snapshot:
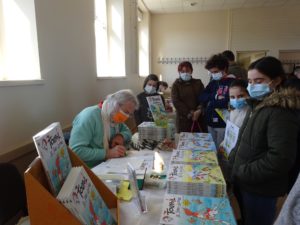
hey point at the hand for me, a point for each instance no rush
(118, 139)
(196, 114)
(220, 97)
(116, 152)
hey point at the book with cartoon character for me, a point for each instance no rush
(80, 196)
(158, 110)
(196, 144)
(196, 179)
(52, 149)
(196, 156)
(187, 210)
(195, 136)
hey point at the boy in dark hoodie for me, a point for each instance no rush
(216, 96)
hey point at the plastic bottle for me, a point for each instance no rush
(171, 129)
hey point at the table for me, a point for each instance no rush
(129, 213)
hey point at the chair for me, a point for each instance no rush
(12, 194)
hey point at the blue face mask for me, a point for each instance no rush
(185, 76)
(258, 91)
(238, 103)
(150, 89)
(217, 76)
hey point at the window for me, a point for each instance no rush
(109, 33)
(19, 58)
(144, 43)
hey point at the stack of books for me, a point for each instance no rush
(192, 157)
(198, 136)
(187, 210)
(149, 131)
(196, 144)
(196, 179)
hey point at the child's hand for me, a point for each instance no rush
(116, 152)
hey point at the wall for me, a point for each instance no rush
(206, 33)
(67, 57)
(187, 35)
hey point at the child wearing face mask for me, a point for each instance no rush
(261, 163)
(238, 94)
(150, 87)
(216, 96)
(185, 91)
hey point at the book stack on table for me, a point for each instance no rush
(150, 132)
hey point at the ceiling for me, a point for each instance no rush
(182, 6)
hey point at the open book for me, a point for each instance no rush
(80, 196)
(52, 149)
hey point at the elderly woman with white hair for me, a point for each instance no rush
(99, 131)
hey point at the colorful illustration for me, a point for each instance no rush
(196, 156)
(84, 200)
(158, 111)
(195, 136)
(195, 144)
(52, 149)
(187, 210)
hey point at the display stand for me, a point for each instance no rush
(44, 208)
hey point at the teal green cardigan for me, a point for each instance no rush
(87, 135)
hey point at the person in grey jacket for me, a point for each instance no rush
(267, 145)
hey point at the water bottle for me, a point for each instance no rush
(171, 129)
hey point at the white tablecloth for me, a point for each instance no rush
(130, 214)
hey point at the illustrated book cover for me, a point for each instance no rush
(52, 149)
(188, 210)
(80, 196)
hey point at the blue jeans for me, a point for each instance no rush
(257, 209)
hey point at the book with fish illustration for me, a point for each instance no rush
(52, 149)
(80, 196)
(195, 144)
(196, 156)
(196, 179)
(195, 136)
(187, 210)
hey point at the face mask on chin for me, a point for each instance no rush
(120, 117)
(185, 76)
(258, 91)
(150, 89)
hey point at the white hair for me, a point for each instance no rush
(111, 105)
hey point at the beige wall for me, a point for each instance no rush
(187, 35)
(206, 33)
(67, 58)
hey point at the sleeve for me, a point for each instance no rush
(282, 132)
(179, 104)
(81, 136)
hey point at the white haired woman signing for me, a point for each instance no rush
(99, 132)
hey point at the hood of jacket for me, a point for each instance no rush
(285, 98)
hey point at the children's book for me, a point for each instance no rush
(158, 111)
(80, 196)
(196, 156)
(187, 210)
(196, 179)
(195, 144)
(195, 136)
(231, 137)
(52, 149)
